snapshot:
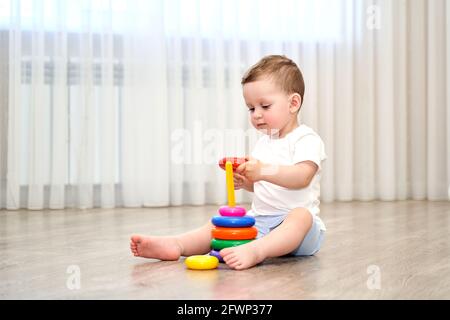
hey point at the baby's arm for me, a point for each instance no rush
(296, 176)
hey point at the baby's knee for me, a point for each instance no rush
(302, 214)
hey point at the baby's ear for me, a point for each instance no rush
(296, 102)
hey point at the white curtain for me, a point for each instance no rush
(107, 103)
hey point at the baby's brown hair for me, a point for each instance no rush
(282, 70)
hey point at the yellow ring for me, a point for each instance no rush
(201, 262)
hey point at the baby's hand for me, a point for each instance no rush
(250, 170)
(239, 181)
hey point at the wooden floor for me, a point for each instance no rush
(373, 250)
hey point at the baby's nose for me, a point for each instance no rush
(257, 115)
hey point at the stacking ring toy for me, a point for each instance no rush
(234, 233)
(218, 244)
(233, 222)
(201, 262)
(228, 211)
(236, 162)
(216, 254)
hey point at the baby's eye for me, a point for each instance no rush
(251, 109)
(266, 107)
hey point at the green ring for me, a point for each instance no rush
(219, 244)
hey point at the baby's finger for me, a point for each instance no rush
(238, 186)
(239, 176)
(241, 168)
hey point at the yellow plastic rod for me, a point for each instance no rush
(230, 184)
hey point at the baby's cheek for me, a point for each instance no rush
(272, 121)
(268, 118)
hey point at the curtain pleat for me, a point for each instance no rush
(447, 41)
(326, 108)
(4, 53)
(130, 120)
(85, 114)
(401, 102)
(38, 121)
(216, 127)
(364, 104)
(15, 130)
(176, 101)
(108, 113)
(60, 114)
(436, 97)
(385, 105)
(156, 141)
(417, 84)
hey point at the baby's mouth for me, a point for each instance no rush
(260, 125)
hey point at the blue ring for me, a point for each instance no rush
(236, 222)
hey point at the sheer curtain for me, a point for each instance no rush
(109, 103)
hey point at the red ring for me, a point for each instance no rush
(234, 233)
(235, 161)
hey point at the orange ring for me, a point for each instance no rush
(234, 233)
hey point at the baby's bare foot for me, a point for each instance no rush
(163, 248)
(242, 257)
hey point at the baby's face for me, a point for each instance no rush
(268, 105)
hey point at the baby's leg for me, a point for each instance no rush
(172, 247)
(282, 240)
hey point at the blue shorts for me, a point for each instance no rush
(310, 244)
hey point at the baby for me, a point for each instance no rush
(283, 172)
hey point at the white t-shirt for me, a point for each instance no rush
(301, 144)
